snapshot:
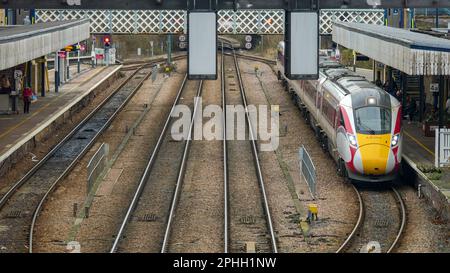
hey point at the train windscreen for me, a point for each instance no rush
(373, 120)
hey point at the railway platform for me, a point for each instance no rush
(416, 146)
(419, 153)
(21, 131)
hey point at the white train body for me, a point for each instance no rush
(356, 121)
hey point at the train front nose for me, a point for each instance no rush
(372, 159)
(374, 155)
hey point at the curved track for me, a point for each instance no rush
(21, 205)
(381, 222)
(381, 214)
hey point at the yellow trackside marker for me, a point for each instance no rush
(313, 208)
(304, 226)
(250, 247)
(276, 108)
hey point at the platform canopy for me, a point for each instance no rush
(410, 52)
(20, 44)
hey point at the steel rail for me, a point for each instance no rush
(84, 151)
(181, 173)
(403, 222)
(225, 156)
(358, 224)
(10, 193)
(30, 173)
(144, 178)
(256, 157)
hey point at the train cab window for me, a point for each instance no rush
(373, 120)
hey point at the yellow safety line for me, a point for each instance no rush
(420, 143)
(44, 107)
(25, 120)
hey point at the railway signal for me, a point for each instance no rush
(74, 48)
(68, 49)
(107, 42)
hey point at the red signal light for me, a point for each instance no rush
(107, 42)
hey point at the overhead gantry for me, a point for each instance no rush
(219, 4)
(301, 25)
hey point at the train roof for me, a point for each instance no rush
(348, 81)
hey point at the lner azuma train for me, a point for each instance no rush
(358, 123)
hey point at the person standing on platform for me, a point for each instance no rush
(447, 106)
(27, 94)
(379, 83)
(386, 87)
(399, 95)
(412, 108)
(5, 85)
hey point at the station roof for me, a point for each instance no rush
(411, 52)
(20, 44)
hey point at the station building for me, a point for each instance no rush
(24, 50)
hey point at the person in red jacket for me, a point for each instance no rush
(27, 94)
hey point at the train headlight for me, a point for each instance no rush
(371, 101)
(352, 140)
(395, 140)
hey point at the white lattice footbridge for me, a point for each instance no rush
(174, 21)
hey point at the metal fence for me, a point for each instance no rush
(307, 170)
(443, 148)
(97, 165)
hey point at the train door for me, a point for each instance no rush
(338, 121)
(319, 97)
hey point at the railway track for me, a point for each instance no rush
(22, 203)
(381, 222)
(146, 223)
(382, 214)
(151, 196)
(127, 66)
(248, 221)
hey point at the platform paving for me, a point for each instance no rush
(19, 128)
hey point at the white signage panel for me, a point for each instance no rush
(202, 52)
(302, 45)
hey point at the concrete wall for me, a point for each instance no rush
(429, 191)
(20, 51)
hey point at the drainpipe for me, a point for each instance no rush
(437, 18)
(386, 20)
